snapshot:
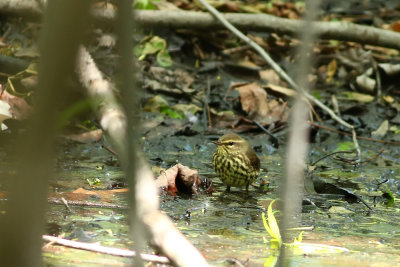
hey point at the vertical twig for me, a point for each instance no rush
(293, 184)
(22, 221)
(206, 108)
(130, 103)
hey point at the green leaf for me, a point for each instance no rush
(94, 181)
(172, 113)
(154, 45)
(390, 197)
(273, 223)
(155, 104)
(271, 261)
(271, 226)
(150, 48)
(144, 4)
(164, 59)
(345, 146)
(317, 95)
(354, 96)
(300, 238)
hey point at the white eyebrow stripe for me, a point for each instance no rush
(233, 141)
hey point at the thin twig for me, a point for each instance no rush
(109, 150)
(330, 154)
(251, 43)
(274, 140)
(356, 162)
(209, 117)
(104, 250)
(364, 202)
(377, 75)
(87, 204)
(53, 242)
(206, 111)
(66, 204)
(280, 71)
(358, 137)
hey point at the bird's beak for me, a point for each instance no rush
(218, 143)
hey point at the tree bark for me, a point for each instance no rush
(105, 15)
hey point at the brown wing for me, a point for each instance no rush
(255, 161)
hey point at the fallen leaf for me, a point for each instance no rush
(155, 104)
(281, 90)
(4, 113)
(83, 194)
(332, 67)
(86, 137)
(253, 99)
(354, 96)
(179, 179)
(269, 75)
(19, 108)
(382, 130)
(187, 109)
(395, 26)
(390, 69)
(258, 107)
(388, 99)
(365, 82)
(176, 82)
(31, 52)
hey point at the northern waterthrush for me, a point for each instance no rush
(235, 162)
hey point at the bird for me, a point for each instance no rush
(235, 162)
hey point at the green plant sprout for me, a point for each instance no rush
(150, 45)
(271, 225)
(297, 247)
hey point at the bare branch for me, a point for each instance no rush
(344, 31)
(162, 232)
(104, 250)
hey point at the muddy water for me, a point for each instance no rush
(228, 226)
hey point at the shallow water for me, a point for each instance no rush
(228, 225)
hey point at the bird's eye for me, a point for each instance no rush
(230, 143)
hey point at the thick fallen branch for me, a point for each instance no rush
(163, 233)
(104, 250)
(344, 31)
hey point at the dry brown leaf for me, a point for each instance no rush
(179, 179)
(19, 108)
(81, 194)
(223, 119)
(331, 70)
(178, 78)
(395, 26)
(388, 99)
(87, 137)
(282, 90)
(255, 103)
(270, 75)
(382, 130)
(253, 99)
(4, 113)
